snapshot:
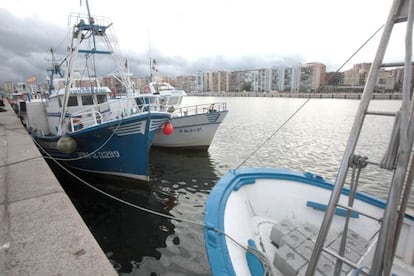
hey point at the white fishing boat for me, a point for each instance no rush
(194, 126)
(18, 98)
(262, 221)
(78, 124)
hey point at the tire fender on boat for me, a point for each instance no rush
(66, 144)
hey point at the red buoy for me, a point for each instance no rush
(168, 128)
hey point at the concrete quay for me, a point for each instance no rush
(41, 232)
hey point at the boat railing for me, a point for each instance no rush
(147, 102)
(100, 113)
(112, 110)
(201, 109)
(137, 103)
(85, 118)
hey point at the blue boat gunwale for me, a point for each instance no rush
(143, 116)
(232, 181)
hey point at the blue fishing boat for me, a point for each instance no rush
(263, 221)
(78, 123)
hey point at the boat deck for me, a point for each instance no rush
(294, 243)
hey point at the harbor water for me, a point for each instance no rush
(294, 133)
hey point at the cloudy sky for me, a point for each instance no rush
(187, 36)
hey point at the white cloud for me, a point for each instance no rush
(216, 32)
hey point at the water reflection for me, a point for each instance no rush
(188, 177)
(126, 235)
(193, 171)
(138, 242)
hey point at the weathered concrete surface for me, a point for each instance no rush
(41, 233)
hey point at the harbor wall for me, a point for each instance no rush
(336, 95)
(41, 232)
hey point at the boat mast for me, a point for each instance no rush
(68, 81)
(149, 56)
(52, 71)
(84, 30)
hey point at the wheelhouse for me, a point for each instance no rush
(82, 97)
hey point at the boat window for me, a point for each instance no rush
(163, 88)
(139, 101)
(73, 101)
(87, 100)
(153, 100)
(174, 100)
(101, 98)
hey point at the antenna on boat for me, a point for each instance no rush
(149, 55)
(54, 69)
(152, 62)
(89, 13)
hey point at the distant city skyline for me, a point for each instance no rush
(185, 38)
(309, 77)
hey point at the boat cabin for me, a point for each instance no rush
(87, 103)
(171, 97)
(81, 97)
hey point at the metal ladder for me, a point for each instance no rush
(401, 11)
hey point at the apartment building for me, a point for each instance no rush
(388, 80)
(208, 81)
(186, 83)
(199, 85)
(309, 77)
(285, 79)
(7, 86)
(357, 75)
(315, 76)
(219, 81)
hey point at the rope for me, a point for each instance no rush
(277, 130)
(273, 134)
(389, 160)
(357, 162)
(263, 258)
(362, 46)
(267, 265)
(119, 199)
(260, 255)
(83, 156)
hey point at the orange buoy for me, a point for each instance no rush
(168, 128)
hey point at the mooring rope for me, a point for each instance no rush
(294, 113)
(83, 156)
(273, 134)
(116, 198)
(263, 259)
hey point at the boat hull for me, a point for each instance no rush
(118, 148)
(191, 131)
(247, 204)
